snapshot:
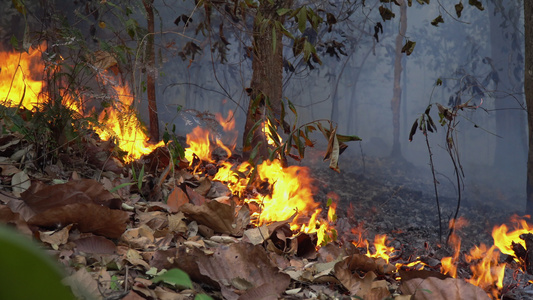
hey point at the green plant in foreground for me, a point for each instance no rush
(26, 271)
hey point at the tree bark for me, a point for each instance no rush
(397, 90)
(528, 89)
(150, 72)
(267, 76)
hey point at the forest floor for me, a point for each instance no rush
(117, 245)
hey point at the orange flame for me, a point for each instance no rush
(503, 239)
(487, 272)
(21, 77)
(382, 250)
(120, 122)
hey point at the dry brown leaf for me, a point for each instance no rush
(9, 170)
(83, 285)
(43, 197)
(20, 182)
(176, 223)
(95, 244)
(215, 215)
(88, 217)
(194, 197)
(138, 238)
(176, 199)
(352, 282)
(232, 264)
(432, 286)
(55, 238)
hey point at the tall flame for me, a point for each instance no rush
(120, 122)
(21, 77)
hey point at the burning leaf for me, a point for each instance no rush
(88, 217)
(433, 286)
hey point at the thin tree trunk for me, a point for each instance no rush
(267, 76)
(397, 90)
(150, 73)
(528, 88)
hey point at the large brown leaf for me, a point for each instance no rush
(215, 215)
(424, 285)
(88, 217)
(43, 197)
(244, 267)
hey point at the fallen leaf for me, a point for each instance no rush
(88, 217)
(215, 215)
(43, 197)
(176, 199)
(194, 197)
(432, 286)
(55, 238)
(20, 182)
(230, 264)
(83, 285)
(95, 245)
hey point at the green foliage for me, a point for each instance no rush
(27, 272)
(174, 277)
(296, 138)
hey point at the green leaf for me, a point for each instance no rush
(27, 271)
(409, 3)
(409, 47)
(302, 19)
(329, 202)
(348, 138)
(14, 42)
(439, 81)
(174, 277)
(282, 11)
(118, 187)
(308, 50)
(274, 40)
(250, 136)
(19, 6)
(140, 179)
(202, 297)
(459, 9)
(437, 20)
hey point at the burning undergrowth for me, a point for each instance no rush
(239, 231)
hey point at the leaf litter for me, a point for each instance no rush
(191, 238)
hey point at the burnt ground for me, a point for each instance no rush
(395, 198)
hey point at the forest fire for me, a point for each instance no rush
(276, 193)
(21, 77)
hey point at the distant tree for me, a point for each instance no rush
(528, 88)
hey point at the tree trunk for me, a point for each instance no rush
(397, 90)
(150, 72)
(528, 88)
(510, 150)
(267, 76)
